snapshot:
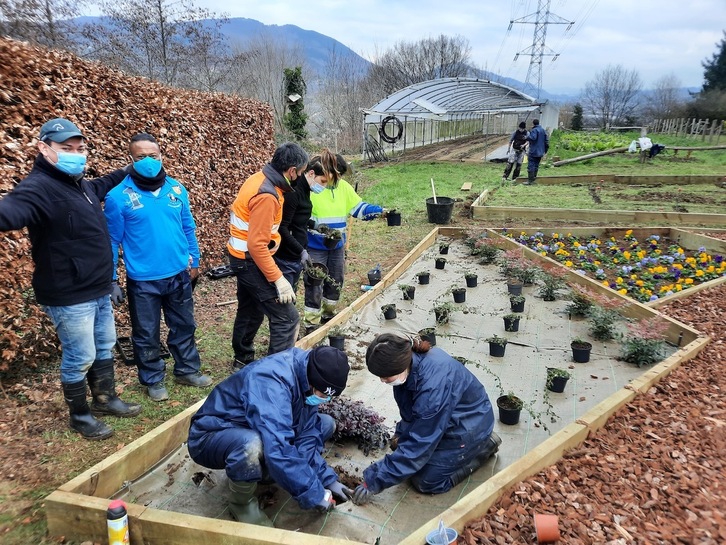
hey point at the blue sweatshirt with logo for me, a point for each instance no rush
(156, 229)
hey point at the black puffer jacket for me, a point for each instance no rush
(70, 243)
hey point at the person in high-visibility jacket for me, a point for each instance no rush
(262, 290)
(331, 209)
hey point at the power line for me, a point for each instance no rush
(538, 50)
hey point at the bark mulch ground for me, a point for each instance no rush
(653, 475)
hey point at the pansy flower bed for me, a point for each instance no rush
(645, 269)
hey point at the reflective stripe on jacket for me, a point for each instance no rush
(332, 208)
(255, 220)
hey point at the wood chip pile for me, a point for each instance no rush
(210, 142)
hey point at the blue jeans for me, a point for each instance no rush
(147, 298)
(238, 450)
(257, 298)
(87, 333)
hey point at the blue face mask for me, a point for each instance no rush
(315, 187)
(315, 400)
(70, 163)
(148, 167)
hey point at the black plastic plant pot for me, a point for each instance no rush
(443, 250)
(517, 307)
(515, 288)
(459, 295)
(511, 324)
(428, 334)
(471, 281)
(508, 411)
(440, 262)
(424, 278)
(497, 350)
(389, 311)
(393, 218)
(581, 352)
(125, 348)
(315, 274)
(374, 276)
(442, 316)
(337, 341)
(408, 293)
(556, 383)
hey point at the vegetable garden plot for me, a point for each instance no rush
(399, 514)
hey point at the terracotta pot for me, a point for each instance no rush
(547, 528)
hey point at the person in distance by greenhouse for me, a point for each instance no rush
(446, 431)
(262, 423)
(331, 209)
(539, 145)
(73, 269)
(515, 152)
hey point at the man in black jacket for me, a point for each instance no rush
(73, 269)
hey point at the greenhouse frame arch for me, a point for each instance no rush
(446, 109)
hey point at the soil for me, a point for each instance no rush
(470, 149)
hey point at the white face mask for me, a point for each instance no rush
(400, 380)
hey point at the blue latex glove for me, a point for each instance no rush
(341, 493)
(117, 294)
(362, 495)
(372, 211)
(327, 503)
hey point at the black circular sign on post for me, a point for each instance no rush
(384, 134)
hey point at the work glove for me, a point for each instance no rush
(340, 492)
(327, 503)
(362, 495)
(371, 211)
(285, 293)
(117, 294)
(305, 259)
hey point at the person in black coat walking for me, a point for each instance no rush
(71, 250)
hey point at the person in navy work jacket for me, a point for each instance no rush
(263, 421)
(73, 269)
(148, 215)
(447, 422)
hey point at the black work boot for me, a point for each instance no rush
(81, 419)
(531, 177)
(488, 449)
(103, 387)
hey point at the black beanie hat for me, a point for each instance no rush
(389, 355)
(328, 370)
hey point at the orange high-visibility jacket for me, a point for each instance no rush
(255, 221)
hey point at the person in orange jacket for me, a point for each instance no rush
(262, 290)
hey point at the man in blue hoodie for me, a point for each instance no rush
(148, 215)
(539, 145)
(73, 266)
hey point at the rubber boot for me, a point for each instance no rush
(531, 177)
(507, 170)
(243, 504)
(103, 387)
(489, 448)
(329, 309)
(81, 419)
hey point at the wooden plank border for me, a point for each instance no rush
(77, 509)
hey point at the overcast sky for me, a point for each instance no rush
(655, 38)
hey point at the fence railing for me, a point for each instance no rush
(708, 130)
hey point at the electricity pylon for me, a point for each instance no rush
(538, 49)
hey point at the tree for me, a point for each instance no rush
(43, 22)
(612, 96)
(715, 70)
(295, 89)
(407, 63)
(665, 101)
(170, 41)
(576, 123)
(260, 76)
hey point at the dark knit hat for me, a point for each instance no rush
(522, 125)
(389, 355)
(328, 370)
